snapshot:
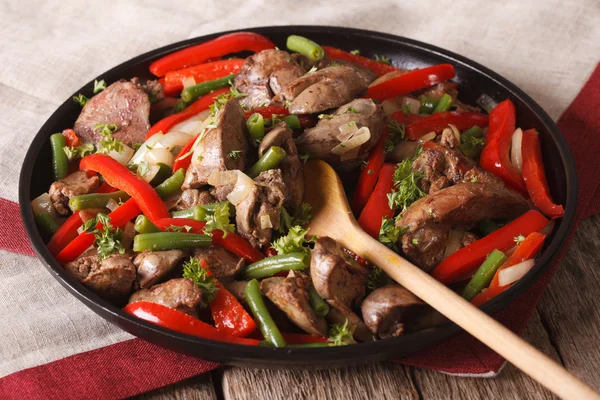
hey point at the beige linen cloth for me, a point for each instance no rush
(50, 49)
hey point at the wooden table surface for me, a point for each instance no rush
(565, 326)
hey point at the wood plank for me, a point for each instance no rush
(509, 384)
(379, 381)
(197, 388)
(570, 308)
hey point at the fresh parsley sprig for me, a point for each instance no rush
(340, 335)
(107, 239)
(193, 270)
(219, 219)
(99, 86)
(108, 143)
(80, 99)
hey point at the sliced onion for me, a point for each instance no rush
(265, 222)
(189, 81)
(112, 204)
(403, 150)
(360, 137)
(42, 204)
(160, 155)
(173, 141)
(350, 155)
(150, 173)
(427, 137)
(486, 102)
(243, 184)
(455, 131)
(454, 242)
(414, 104)
(139, 155)
(192, 125)
(514, 273)
(390, 106)
(347, 131)
(124, 156)
(516, 155)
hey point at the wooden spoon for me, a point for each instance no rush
(331, 216)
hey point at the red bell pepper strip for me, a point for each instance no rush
(106, 188)
(535, 177)
(71, 138)
(119, 176)
(369, 175)
(229, 315)
(378, 205)
(267, 112)
(65, 234)
(411, 81)
(237, 245)
(182, 160)
(525, 251)
(232, 243)
(201, 73)
(495, 156)
(165, 124)
(200, 53)
(378, 67)
(465, 261)
(175, 320)
(439, 121)
(119, 217)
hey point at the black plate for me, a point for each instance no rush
(474, 79)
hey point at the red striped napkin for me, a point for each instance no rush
(134, 366)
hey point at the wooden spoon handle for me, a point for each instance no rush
(510, 346)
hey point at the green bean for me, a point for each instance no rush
(468, 144)
(444, 104)
(193, 92)
(428, 104)
(486, 227)
(169, 240)
(484, 274)
(269, 160)
(271, 265)
(172, 184)
(197, 212)
(164, 171)
(305, 47)
(60, 161)
(96, 200)
(46, 222)
(144, 225)
(474, 131)
(266, 324)
(292, 121)
(256, 126)
(317, 303)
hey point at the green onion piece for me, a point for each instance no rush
(96, 200)
(444, 104)
(272, 265)
(169, 241)
(269, 160)
(486, 227)
(484, 274)
(144, 225)
(171, 185)
(428, 104)
(317, 303)
(164, 171)
(193, 92)
(265, 322)
(256, 126)
(60, 161)
(292, 122)
(46, 223)
(305, 47)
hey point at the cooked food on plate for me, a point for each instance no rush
(180, 199)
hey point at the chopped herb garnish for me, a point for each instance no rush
(405, 184)
(193, 270)
(304, 157)
(293, 242)
(79, 151)
(471, 140)
(363, 164)
(99, 86)
(519, 239)
(235, 154)
(389, 233)
(108, 143)
(376, 279)
(383, 59)
(325, 116)
(415, 242)
(355, 52)
(176, 228)
(81, 99)
(143, 168)
(136, 146)
(107, 239)
(340, 335)
(335, 64)
(406, 109)
(313, 69)
(351, 110)
(397, 131)
(219, 219)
